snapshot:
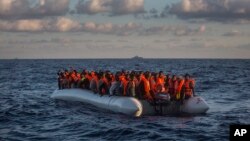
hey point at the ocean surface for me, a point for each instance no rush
(28, 113)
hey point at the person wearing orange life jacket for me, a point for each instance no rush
(75, 77)
(188, 87)
(123, 83)
(160, 83)
(173, 87)
(152, 82)
(102, 84)
(66, 79)
(145, 87)
(179, 91)
(84, 80)
(166, 84)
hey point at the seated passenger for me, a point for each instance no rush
(160, 83)
(94, 83)
(84, 81)
(145, 87)
(130, 90)
(102, 84)
(59, 79)
(188, 87)
(74, 79)
(173, 86)
(115, 88)
(66, 79)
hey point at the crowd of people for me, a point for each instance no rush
(142, 85)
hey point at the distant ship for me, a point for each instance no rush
(137, 58)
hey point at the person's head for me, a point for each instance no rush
(161, 74)
(132, 76)
(174, 77)
(117, 77)
(92, 73)
(147, 74)
(74, 71)
(187, 76)
(167, 76)
(61, 74)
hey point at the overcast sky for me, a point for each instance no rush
(124, 28)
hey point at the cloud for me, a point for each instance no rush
(63, 24)
(233, 33)
(122, 7)
(213, 10)
(109, 28)
(113, 7)
(23, 9)
(173, 29)
(60, 24)
(244, 46)
(50, 8)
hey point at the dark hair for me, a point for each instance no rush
(187, 75)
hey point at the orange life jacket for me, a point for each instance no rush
(124, 84)
(66, 75)
(180, 84)
(74, 77)
(160, 84)
(88, 77)
(78, 76)
(188, 89)
(146, 89)
(173, 86)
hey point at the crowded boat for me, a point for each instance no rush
(142, 85)
(134, 93)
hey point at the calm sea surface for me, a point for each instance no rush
(28, 113)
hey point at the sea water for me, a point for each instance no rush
(28, 113)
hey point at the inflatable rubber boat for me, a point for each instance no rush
(132, 106)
